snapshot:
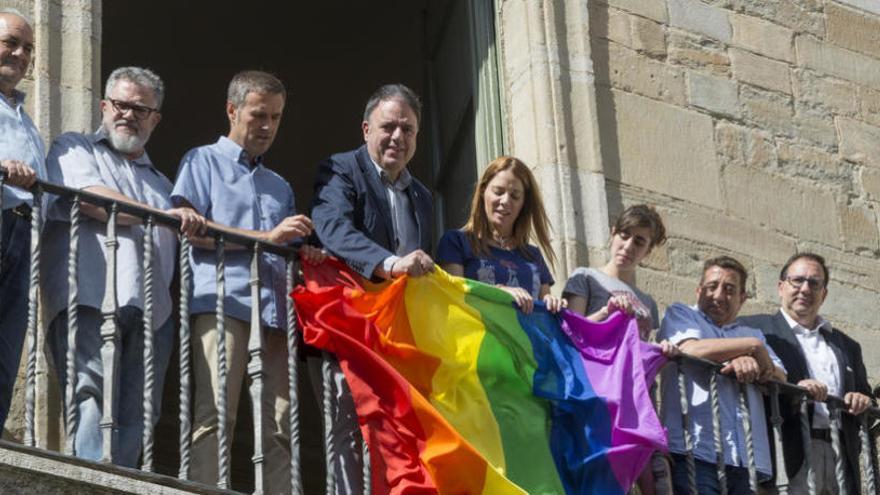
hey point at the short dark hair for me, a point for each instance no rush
(644, 216)
(395, 91)
(805, 255)
(253, 81)
(727, 263)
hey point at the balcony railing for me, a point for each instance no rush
(110, 344)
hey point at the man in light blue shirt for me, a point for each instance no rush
(22, 160)
(112, 162)
(229, 183)
(710, 331)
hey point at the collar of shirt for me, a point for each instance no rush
(17, 98)
(797, 328)
(100, 136)
(235, 152)
(403, 180)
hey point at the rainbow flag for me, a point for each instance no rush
(459, 392)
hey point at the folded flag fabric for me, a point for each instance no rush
(459, 392)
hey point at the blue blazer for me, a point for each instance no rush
(352, 216)
(853, 378)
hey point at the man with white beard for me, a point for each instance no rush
(112, 162)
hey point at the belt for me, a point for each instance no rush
(22, 210)
(821, 434)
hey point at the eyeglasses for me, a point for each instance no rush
(812, 283)
(140, 112)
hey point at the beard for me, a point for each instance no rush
(128, 144)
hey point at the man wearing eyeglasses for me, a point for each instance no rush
(113, 163)
(823, 360)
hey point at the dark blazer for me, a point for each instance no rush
(352, 215)
(854, 378)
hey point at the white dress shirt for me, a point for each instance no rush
(821, 361)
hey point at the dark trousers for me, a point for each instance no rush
(707, 478)
(14, 275)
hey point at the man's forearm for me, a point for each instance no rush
(721, 350)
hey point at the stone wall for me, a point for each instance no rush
(752, 125)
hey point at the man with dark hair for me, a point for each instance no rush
(230, 184)
(371, 213)
(22, 160)
(112, 162)
(710, 331)
(823, 360)
(368, 210)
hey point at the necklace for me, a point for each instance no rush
(504, 242)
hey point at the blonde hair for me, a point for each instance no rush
(531, 217)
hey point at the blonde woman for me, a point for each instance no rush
(493, 246)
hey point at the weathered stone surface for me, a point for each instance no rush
(667, 288)
(760, 71)
(730, 144)
(652, 9)
(770, 110)
(648, 36)
(630, 71)
(764, 199)
(869, 105)
(846, 303)
(666, 149)
(697, 52)
(858, 269)
(729, 232)
(696, 16)
(852, 29)
(800, 160)
(839, 62)
(799, 15)
(868, 5)
(819, 129)
(610, 23)
(870, 178)
(828, 93)
(745, 147)
(860, 228)
(859, 142)
(715, 94)
(763, 37)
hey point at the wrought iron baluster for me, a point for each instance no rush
(149, 365)
(255, 370)
(110, 338)
(837, 448)
(185, 360)
(33, 310)
(808, 457)
(293, 376)
(72, 416)
(222, 413)
(368, 477)
(688, 441)
(750, 441)
(776, 422)
(329, 414)
(867, 465)
(720, 464)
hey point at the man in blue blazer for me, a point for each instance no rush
(823, 360)
(368, 210)
(376, 217)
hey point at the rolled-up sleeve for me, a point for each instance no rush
(679, 324)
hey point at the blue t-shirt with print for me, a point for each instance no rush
(502, 266)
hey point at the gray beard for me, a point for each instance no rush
(126, 143)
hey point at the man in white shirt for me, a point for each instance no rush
(823, 360)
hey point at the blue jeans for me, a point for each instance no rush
(14, 275)
(89, 397)
(707, 478)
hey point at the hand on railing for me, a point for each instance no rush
(745, 368)
(312, 255)
(670, 350)
(856, 403)
(289, 229)
(818, 390)
(18, 173)
(191, 223)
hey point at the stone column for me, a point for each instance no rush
(549, 96)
